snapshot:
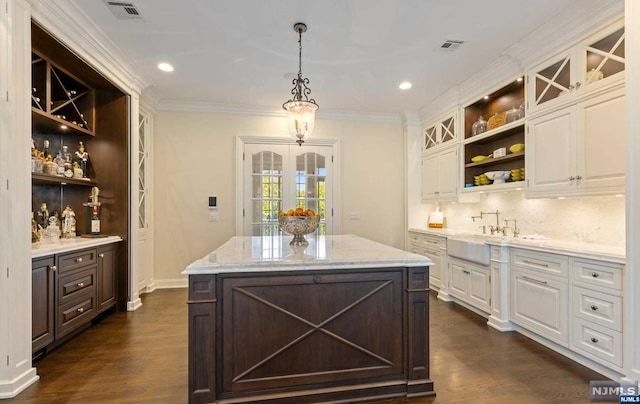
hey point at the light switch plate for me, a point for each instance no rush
(213, 215)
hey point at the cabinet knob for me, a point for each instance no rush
(578, 84)
(79, 259)
(81, 310)
(578, 177)
(81, 284)
(101, 255)
(53, 268)
(572, 178)
(594, 307)
(594, 340)
(595, 274)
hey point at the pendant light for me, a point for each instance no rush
(301, 111)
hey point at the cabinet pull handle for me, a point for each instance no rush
(101, 255)
(81, 284)
(571, 87)
(79, 259)
(594, 340)
(53, 268)
(578, 84)
(594, 307)
(595, 274)
(432, 242)
(534, 280)
(572, 178)
(81, 310)
(535, 263)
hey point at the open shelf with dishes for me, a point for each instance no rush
(493, 149)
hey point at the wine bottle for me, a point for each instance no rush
(46, 149)
(95, 222)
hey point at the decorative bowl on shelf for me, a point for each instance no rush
(498, 177)
(298, 226)
(479, 158)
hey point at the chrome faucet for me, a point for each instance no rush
(492, 229)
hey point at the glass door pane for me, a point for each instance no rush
(430, 137)
(266, 197)
(605, 57)
(447, 130)
(553, 81)
(311, 185)
(142, 178)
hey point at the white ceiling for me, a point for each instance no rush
(355, 52)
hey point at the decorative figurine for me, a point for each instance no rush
(82, 158)
(52, 233)
(68, 223)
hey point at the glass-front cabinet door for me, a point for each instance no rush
(603, 57)
(595, 64)
(550, 80)
(441, 131)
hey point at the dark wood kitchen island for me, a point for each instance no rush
(344, 320)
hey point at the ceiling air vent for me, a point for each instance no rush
(124, 10)
(450, 45)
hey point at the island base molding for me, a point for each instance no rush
(309, 336)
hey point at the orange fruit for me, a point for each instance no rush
(298, 212)
(290, 212)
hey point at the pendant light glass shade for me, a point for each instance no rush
(301, 110)
(301, 116)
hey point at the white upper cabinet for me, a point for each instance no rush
(440, 176)
(595, 64)
(579, 150)
(442, 131)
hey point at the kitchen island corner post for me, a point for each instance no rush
(417, 301)
(202, 338)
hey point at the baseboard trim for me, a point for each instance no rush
(171, 283)
(500, 325)
(444, 296)
(11, 388)
(134, 305)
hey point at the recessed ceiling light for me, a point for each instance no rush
(519, 79)
(486, 97)
(405, 85)
(165, 67)
(63, 127)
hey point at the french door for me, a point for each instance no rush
(282, 177)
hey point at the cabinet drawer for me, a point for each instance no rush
(551, 264)
(76, 284)
(594, 340)
(76, 259)
(600, 308)
(597, 273)
(75, 314)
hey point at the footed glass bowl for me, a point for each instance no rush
(298, 226)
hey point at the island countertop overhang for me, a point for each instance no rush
(265, 254)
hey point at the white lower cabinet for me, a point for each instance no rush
(539, 304)
(470, 283)
(431, 247)
(540, 294)
(596, 304)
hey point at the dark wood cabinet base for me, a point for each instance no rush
(309, 336)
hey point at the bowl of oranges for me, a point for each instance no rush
(298, 222)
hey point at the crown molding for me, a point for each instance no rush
(237, 109)
(70, 25)
(561, 32)
(150, 99)
(442, 104)
(564, 30)
(410, 118)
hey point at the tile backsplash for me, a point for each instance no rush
(599, 220)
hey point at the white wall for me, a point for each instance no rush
(195, 158)
(598, 220)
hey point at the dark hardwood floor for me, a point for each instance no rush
(141, 356)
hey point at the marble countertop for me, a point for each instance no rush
(64, 245)
(260, 254)
(573, 248)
